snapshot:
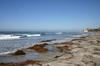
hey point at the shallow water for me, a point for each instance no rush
(13, 44)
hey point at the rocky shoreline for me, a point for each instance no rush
(82, 51)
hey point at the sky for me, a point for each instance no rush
(48, 15)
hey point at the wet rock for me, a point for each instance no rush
(56, 56)
(31, 62)
(98, 41)
(39, 48)
(64, 48)
(38, 45)
(19, 52)
(67, 43)
(48, 40)
(25, 63)
(79, 39)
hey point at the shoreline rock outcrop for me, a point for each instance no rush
(39, 47)
(19, 52)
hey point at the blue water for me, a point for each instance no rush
(12, 44)
(8, 45)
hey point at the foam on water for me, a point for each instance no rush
(5, 53)
(30, 35)
(59, 33)
(11, 36)
(4, 37)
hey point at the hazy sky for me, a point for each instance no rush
(42, 15)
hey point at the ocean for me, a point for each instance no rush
(11, 41)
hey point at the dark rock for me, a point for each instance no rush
(39, 48)
(48, 40)
(56, 56)
(19, 52)
(25, 63)
(67, 43)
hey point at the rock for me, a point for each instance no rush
(97, 61)
(97, 49)
(65, 57)
(88, 60)
(38, 45)
(79, 39)
(76, 42)
(97, 53)
(98, 41)
(67, 43)
(48, 40)
(31, 62)
(56, 56)
(63, 48)
(25, 63)
(39, 48)
(19, 52)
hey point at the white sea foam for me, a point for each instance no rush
(5, 53)
(30, 35)
(81, 35)
(59, 33)
(4, 37)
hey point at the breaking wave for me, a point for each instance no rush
(6, 37)
(5, 53)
